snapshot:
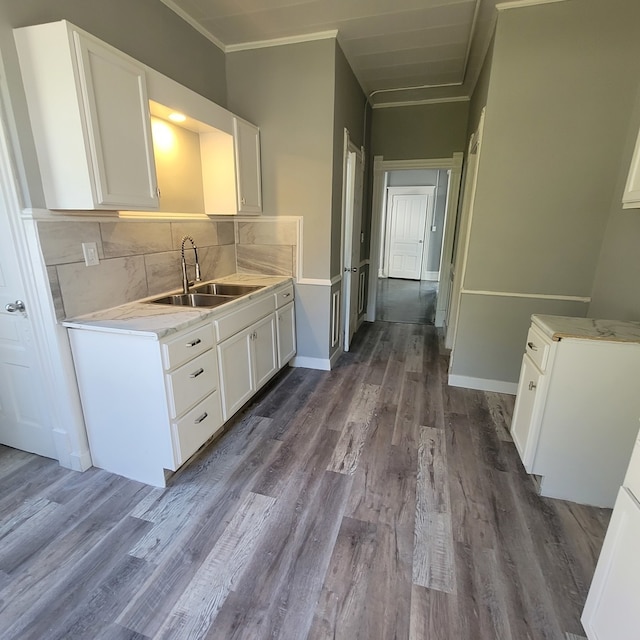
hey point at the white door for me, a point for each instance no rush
(352, 240)
(408, 221)
(22, 424)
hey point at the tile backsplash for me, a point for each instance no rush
(139, 258)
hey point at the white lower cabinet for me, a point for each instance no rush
(286, 326)
(150, 404)
(247, 361)
(611, 611)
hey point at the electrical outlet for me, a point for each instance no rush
(90, 253)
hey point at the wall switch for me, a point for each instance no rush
(90, 252)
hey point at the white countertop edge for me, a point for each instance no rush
(142, 318)
(566, 327)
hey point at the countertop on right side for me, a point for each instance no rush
(558, 327)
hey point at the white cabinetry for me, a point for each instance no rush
(149, 405)
(631, 195)
(286, 325)
(611, 611)
(575, 417)
(247, 161)
(89, 113)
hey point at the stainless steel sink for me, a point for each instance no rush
(225, 289)
(193, 300)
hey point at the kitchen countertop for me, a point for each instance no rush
(558, 327)
(159, 320)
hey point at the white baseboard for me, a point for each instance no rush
(334, 358)
(81, 461)
(483, 384)
(431, 276)
(323, 364)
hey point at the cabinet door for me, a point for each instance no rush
(118, 126)
(611, 611)
(523, 427)
(286, 324)
(248, 181)
(236, 374)
(264, 349)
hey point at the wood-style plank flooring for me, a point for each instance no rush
(369, 502)
(411, 301)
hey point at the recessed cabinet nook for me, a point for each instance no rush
(91, 108)
(150, 401)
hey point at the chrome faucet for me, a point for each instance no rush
(185, 279)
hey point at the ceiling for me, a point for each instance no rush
(437, 45)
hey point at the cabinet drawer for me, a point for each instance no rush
(284, 296)
(243, 317)
(191, 382)
(196, 427)
(538, 348)
(186, 346)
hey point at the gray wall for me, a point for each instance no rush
(144, 29)
(288, 91)
(558, 112)
(616, 291)
(420, 131)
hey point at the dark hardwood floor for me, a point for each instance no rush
(369, 502)
(410, 301)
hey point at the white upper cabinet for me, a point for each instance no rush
(247, 157)
(89, 112)
(631, 195)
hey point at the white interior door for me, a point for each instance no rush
(22, 424)
(407, 224)
(354, 175)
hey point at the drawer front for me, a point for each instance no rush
(246, 315)
(284, 296)
(196, 427)
(178, 350)
(632, 479)
(538, 348)
(191, 382)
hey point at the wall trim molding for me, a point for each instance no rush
(537, 296)
(419, 163)
(483, 384)
(315, 282)
(431, 276)
(335, 356)
(516, 4)
(409, 103)
(198, 27)
(306, 362)
(278, 42)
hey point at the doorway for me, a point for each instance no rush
(410, 250)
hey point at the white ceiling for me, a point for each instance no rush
(390, 44)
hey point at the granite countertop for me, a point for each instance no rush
(159, 320)
(558, 327)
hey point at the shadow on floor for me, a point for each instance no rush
(408, 301)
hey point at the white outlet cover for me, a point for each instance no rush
(90, 253)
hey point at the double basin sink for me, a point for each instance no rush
(211, 294)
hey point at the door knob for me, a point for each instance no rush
(12, 307)
(353, 269)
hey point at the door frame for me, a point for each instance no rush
(380, 169)
(350, 154)
(430, 192)
(60, 397)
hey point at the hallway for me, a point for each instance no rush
(370, 502)
(408, 301)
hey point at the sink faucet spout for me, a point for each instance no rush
(183, 262)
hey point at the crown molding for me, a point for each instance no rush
(198, 27)
(277, 42)
(515, 4)
(411, 103)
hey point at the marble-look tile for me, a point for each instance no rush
(56, 294)
(111, 283)
(268, 232)
(216, 262)
(61, 242)
(204, 233)
(557, 327)
(226, 232)
(133, 238)
(164, 271)
(271, 259)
